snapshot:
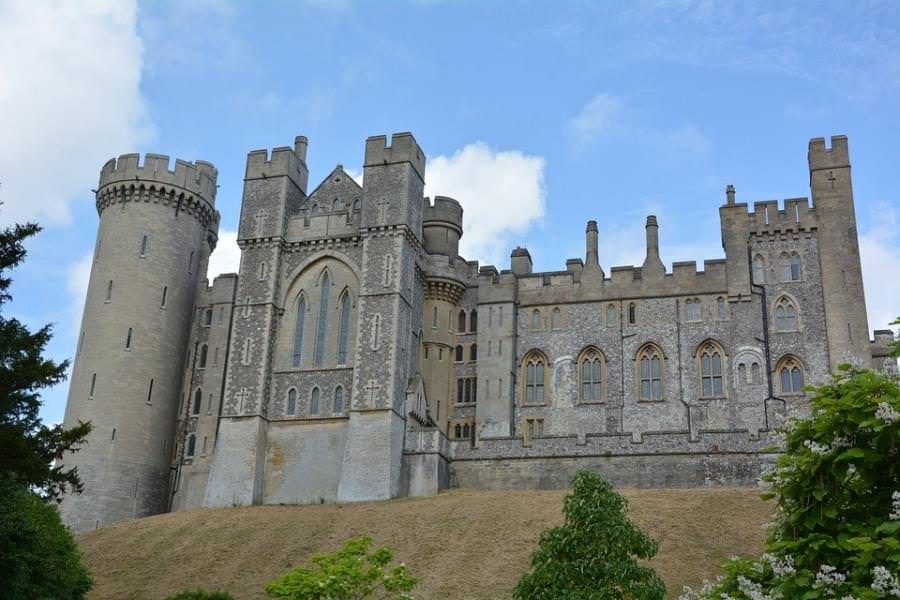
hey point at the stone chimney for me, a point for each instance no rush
(652, 264)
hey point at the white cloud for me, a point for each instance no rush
(226, 258)
(879, 249)
(69, 100)
(502, 193)
(77, 281)
(600, 117)
(608, 116)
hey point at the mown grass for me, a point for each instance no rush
(462, 544)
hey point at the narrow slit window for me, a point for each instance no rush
(145, 246)
(298, 332)
(150, 392)
(632, 313)
(198, 402)
(109, 290)
(93, 386)
(128, 338)
(323, 319)
(164, 296)
(204, 351)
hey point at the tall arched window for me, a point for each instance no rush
(298, 331)
(292, 401)
(339, 399)
(649, 363)
(460, 383)
(610, 315)
(473, 352)
(632, 313)
(458, 354)
(468, 394)
(535, 368)
(755, 376)
(535, 319)
(790, 373)
(458, 431)
(711, 380)
(204, 351)
(314, 401)
(785, 315)
(344, 333)
(246, 352)
(198, 401)
(759, 269)
(473, 321)
(795, 267)
(591, 374)
(556, 319)
(461, 322)
(191, 444)
(742, 373)
(323, 319)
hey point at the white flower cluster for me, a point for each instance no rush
(841, 442)
(895, 512)
(781, 566)
(705, 590)
(752, 590)
(816, 448)
(886, 413)
(828, 577)
(885, 583)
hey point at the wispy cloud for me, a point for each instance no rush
(70, 99)
(608, 116)
(226, 258)
(77, 281)
(502, 193)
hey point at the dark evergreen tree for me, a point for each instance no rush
(28, 448)
(592, 556)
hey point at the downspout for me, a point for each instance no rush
(766, 351)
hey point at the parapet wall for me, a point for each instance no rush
(443, 211)
(403, 148)
(283, 162)
(835, 157)
(663, 459)
(767, 217)
(198, 177)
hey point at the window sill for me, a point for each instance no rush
(651, 401)
(591, 402)
(706, 398)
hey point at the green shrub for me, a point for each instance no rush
(38, 556)
(592, 555)
(836, 533)
(201, 595)
(350, 573)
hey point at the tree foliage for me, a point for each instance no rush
(836, 533)
(28, 448)
(350, 573)
(592, 556)
(38, 556)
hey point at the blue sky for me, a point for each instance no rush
(537, 116)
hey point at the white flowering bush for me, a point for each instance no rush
(836, 530)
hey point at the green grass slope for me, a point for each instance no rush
(462, 544)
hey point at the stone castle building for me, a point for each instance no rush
(357, 356)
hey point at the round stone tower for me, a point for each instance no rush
(157, 230)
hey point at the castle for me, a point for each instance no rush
(357, 356)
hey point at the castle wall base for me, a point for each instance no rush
(303, 463)
(372, 457)
(236, 475)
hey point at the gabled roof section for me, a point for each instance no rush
(338, 191)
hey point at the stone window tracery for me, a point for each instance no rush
(790, 267)
(650, 373)
(712, 381)
(785, 314)
(535, 367)
(591, 375)
(790, 374)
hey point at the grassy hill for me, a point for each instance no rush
(462, 544)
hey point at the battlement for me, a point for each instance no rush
(198, 177)
(403, 148)
(767, 217)
(443, 211)
(835, 157)
(283, 161)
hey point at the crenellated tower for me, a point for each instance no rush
(157, 230)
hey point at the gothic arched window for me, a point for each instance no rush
(339, 399)
(785, 315)
(458, 354)
(344, 333)
(535, 319)
(473, 321)
(591, 375)
(461, 322)
(790, 373)
(204, 351)
(649, 363)
(325, 293)
(759, 269)
(473, 352)
(711, 379)
(198, 402)
(314, 401)
(298, 331)
(535, 366)
(292, 401)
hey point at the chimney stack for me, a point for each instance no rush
(652, 264)
(591, 259)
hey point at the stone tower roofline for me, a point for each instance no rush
(403, 148)
(821, 157)
(197, 177)
(769, 216)
(283, 161)
(443, 211)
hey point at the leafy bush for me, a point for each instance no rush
(38, 556)
(201, 595)
(347, 574)
(592, 556)
(836, 533)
